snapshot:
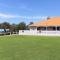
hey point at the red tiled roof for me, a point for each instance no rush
(50, 22)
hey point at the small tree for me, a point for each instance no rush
(48, 18)
(13, 28)
(30, 23)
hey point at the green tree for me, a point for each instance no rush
(21, 26)
(5, 25)
(13, 28)
(30, 23)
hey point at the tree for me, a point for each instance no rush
(21, 26)
(13, 28)
(30, 23)
(5, 25)
(48, 18)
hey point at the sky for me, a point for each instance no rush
(15, 11)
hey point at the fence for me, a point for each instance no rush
(42, 33)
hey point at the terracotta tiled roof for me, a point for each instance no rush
(50, 22)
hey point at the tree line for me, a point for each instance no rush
(14, 27)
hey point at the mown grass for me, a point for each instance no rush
(29, 48)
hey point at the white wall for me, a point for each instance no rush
(27, 32)
(35, 32)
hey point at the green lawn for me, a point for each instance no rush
(29, 48)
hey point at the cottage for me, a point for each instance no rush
(51, 24)
(49, 27)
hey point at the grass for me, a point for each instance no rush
(29, 48)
